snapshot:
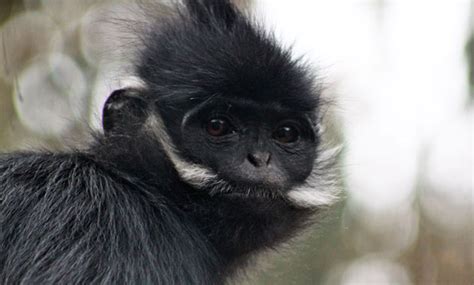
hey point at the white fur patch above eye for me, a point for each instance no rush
(322, 187)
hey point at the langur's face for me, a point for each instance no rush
(249, 144)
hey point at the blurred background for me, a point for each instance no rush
(401, 74)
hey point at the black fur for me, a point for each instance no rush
(66, 219)
(119, 212)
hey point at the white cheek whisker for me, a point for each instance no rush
(192, 173)
(322, 187)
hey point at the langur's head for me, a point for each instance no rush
(235, 113)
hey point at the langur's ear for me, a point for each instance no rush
(125, 109)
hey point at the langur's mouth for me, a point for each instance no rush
(250, 190)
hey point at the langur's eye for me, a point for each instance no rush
(218, 127)
(286, 134)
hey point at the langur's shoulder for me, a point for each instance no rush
(64, 175)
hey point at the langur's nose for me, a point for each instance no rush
(259, 158)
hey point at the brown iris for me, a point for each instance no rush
(286, 134)
(218, 127)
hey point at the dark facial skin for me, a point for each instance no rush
(250, 144)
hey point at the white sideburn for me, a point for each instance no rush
(320, 189)
(194, 174)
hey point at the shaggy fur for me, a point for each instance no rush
(135, 207)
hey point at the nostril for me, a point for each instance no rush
(259, 159)
(253, 160)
